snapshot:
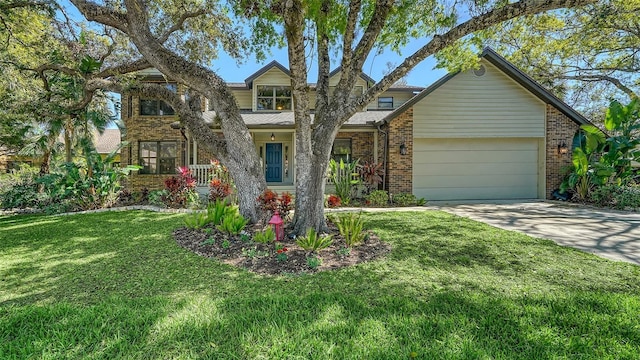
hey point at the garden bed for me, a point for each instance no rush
(265, 258)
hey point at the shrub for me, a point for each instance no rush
(333, 201)
(270, 203)
(181, 189)
(218, 190)
(371, 175)
(233, 224)
(378, 198)
(313, 241)
(18, 189)
(216, 211)
(196, 220)
(285, 204)
(619, 197)
(405, 199)
(341, 174)
(350, 226)
(265, 236)
(156, 197)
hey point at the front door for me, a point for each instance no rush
(274, 162)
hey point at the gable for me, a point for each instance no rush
(490, 105)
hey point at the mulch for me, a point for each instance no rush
(263, 258)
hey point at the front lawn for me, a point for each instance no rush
(116, 285)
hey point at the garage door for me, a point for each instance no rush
(475, 169)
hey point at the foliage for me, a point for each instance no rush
(181, 189)
(217, 210)
(233, 224)
(313, 241)
(619, 197)
(156, 197)
(371, 175)
(264, 237)
(584, 55)
(196, 220)
(270, 202)
(344, 177)
(405, 199)
(221, 185)
(598, 160)
(350, 226)
(378, 198)
(314, 262)
(253, 252)
(333, 201)
(281, 252)
(18, 189)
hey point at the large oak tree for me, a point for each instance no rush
(348, 31)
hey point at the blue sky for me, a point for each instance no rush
(422, 75)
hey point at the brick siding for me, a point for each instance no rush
(400, 167)
(147, 128)
(361, 144)
(560, 130)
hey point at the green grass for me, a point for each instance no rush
(115, 285)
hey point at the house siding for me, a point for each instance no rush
(400, 167)
(147, 128)
(492, 105)
(560, 129)
(399, 98)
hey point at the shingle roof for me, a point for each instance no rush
(284, 119)
(107, 141)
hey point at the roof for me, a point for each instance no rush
(366, 77)
(264, 69)
(108, 141)
(287, 118)
(510, 70)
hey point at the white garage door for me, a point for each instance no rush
(470, 169)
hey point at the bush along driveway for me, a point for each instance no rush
(116, 285)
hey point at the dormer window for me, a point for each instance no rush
(273, 98)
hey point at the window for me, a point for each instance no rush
(157, 107)
(158, 157)
(385, 103)
(273, 98)
(341, 150)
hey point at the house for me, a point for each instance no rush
(488, 133)
(105, 143)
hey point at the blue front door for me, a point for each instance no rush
(274, 162)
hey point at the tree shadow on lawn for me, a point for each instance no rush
(327, 324)
(141, 296)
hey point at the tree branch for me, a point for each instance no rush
(178, 25)
(102, 14)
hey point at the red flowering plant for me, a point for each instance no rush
(218, 190)
(333, 201)
(285, 204)
(281, 252)
(181, 189)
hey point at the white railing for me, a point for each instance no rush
(341, 173)
(202, 173)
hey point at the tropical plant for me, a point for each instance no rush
(233, 224)
(333, 201)
(371, 175)
(313, 241)
(264, 237)
(216, 211)
(344, 177)
(196, 220)
(181, 189)
(350, 226)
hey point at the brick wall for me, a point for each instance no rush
(361, 144)
(147, 128)
(400, 167)
(560, 130)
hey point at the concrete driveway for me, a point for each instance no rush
(608, 233)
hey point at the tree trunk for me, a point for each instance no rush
(310, 185)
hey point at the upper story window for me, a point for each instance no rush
(158, 107)
(273, 97)
(385, 103)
